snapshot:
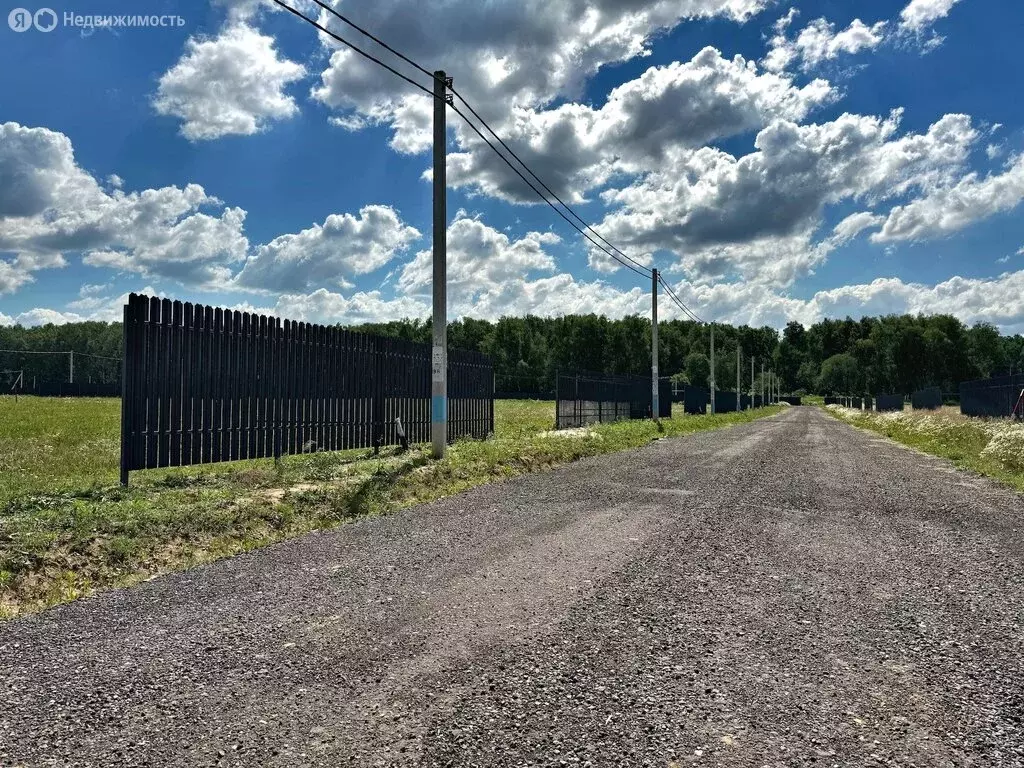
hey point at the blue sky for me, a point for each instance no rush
(775, 160)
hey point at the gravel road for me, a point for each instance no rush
(791, 592)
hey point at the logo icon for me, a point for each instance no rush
(45, 20)
(20, 20)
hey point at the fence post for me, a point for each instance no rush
(576, 403)
(125, 394)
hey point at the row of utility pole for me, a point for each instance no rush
(769, 387)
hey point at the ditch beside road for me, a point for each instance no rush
(788, 592)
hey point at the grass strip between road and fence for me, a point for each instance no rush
(68, 529)
(991, 447)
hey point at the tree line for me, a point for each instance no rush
(892, 354)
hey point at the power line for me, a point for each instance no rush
(642, 271)
(679, 302)
(375, 39)
(485, 124)
(360, 51)
(639, 268)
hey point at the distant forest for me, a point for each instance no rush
(895, 354)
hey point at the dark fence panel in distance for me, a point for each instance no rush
(1000, 396)
(725, 402)
(926, 399)
(696, 400)
(889, 403)
(585, 397)
(791, 399)
(204, 384)
(66, 389)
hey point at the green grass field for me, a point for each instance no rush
(992, 447)
(67, 528)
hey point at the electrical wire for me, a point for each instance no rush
(632, 264)
(679, 302)
(358, 50)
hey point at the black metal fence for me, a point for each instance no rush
(928, 399)
(584, 397)
(1000, 397)
(889, 403)
(696, 400)
(204, 384)
(516, 387)
(69, 389)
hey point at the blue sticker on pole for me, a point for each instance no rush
(438, 409)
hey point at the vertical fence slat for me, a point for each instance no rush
(187, 381)
(174, 383)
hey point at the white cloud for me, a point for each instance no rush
(667, 107)
(505, 54)
(43, 316)
(6, 319)
(55, 207)
(997, 300)
(918, 15)
(345, 246)
(951, 208)
(855, 223)
(819, 42)
(755, 215)
(481, 260)
(232, 84)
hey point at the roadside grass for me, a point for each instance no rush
(992, 447)
(68, 529)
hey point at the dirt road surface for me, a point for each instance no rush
(791, 592)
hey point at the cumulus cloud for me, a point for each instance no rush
(949, 209)
(481, 260)
(506, 54)
(232, 84)
(998, 300)
(667, 107)
(344, 246)
(819, 42)
(755, 214)
(163, 232)
(918, 15)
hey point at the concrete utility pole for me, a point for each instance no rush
(439, 362)
(712, 367)
(71, 367)
(655, 409)
(762, 386)
(739, 399)
(752, 382)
